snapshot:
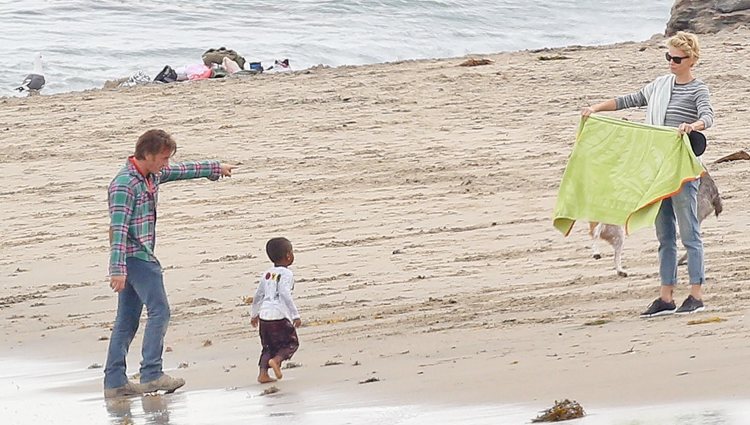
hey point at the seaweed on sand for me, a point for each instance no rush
(561, 411)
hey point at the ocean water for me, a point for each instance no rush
(85, 43)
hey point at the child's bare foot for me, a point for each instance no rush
(276, 366)
(264, 378)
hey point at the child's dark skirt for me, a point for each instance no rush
(279, 338)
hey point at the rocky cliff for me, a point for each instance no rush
(707, 16)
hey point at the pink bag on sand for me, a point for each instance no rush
(230, 66)
(198, 72)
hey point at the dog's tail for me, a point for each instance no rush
(708, 190)
(718, 207)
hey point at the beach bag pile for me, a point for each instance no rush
(216, 56)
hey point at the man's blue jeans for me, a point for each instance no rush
(684, 207)
(144, 286)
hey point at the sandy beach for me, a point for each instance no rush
(419, 198)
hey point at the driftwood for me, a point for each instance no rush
(739, 155)
(554, 58)
(475, 62)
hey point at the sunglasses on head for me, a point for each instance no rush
(676, 59)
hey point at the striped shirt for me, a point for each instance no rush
(132, 208)
(688, 103)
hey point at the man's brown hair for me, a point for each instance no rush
(154, 142)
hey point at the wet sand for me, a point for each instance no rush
(33, 392)
(419, 197)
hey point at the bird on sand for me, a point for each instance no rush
(34, 81)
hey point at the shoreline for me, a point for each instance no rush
(321, 66)
(319, 405)
(306, 35)
(418, 196)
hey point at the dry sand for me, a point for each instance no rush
(419, 197)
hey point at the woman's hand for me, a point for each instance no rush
(607, 105)
(254, 321)
(685, 128)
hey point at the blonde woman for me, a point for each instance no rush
(676, 100)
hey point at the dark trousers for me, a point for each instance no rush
(278, 338)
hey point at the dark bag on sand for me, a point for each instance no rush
(217, 56)
(697, 142)
(167, 75)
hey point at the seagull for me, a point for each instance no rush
(34, 81)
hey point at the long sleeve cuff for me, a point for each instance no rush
(118, 270)
(215, 170)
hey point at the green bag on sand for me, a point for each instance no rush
(217, 55)
(619, 172)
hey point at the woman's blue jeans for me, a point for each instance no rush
(144, 286)
(684, 207)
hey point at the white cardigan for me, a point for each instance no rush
(658, 93)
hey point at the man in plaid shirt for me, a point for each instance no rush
(135, 273)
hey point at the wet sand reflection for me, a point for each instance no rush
(33, 393)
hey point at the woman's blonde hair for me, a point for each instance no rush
(687, 42)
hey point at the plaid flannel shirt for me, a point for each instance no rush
(132, 209)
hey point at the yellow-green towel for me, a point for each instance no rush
(620, 171)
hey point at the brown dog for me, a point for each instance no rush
(709, 201)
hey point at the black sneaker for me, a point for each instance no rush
(659, 308)
(690, 305)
